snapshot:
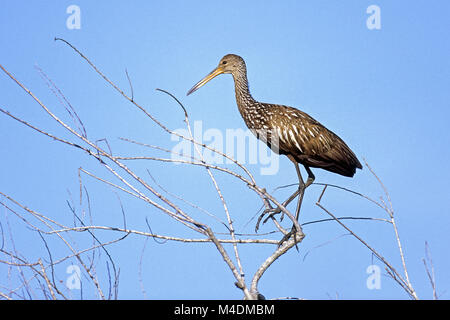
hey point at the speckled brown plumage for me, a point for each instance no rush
(287, 130)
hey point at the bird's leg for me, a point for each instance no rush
(302, 187)
(301, 191)
(311, 177)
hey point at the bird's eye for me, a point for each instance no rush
(224, 62)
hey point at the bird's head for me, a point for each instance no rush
(230, 63)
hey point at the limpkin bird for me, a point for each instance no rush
(287, 130)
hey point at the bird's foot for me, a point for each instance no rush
(270, 212)
(293, 233)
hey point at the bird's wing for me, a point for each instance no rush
(310, 142)
(298, 133)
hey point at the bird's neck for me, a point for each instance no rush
(244, 99)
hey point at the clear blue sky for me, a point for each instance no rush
(385, 92)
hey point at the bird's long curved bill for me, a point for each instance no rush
(202, 82)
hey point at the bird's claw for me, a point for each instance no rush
(287, 236)
(270, 212)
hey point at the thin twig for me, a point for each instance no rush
(429, 268)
